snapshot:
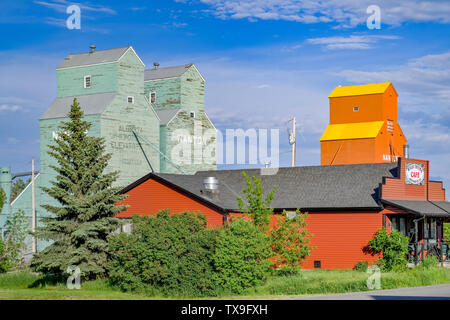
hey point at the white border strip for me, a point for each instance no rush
(20, 194)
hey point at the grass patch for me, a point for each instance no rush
(314, 282)
(26, 285)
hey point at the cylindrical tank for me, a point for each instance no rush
(6, 185)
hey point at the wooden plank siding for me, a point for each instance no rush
(396, 188)
(436, 191)
(152, 196)
(340, 237)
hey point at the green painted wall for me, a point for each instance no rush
(189, 138)
(120, 118)
(70, 81)
(24, 202)
(163, 148)
(192, 90)
(168, 92)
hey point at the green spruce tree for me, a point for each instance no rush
(85, 217)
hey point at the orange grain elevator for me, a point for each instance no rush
(363, 126)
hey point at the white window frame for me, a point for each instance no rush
(192, 114)
(151, 93)
(132, 99)
(355, 108)
(90, 81)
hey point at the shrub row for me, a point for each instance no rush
(176, 255)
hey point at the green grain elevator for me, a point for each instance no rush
(147, 117)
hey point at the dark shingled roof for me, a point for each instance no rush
(439, 209)
(307, 188)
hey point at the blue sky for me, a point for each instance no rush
(264, 62)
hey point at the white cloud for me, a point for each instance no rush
(138, 8)
(61, 6)
(179, 24)
(351, 42)
(12, 108)
(56, 22)
(347, 13)
(426, 78)
(12, 140)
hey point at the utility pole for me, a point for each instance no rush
(33, 222)
(292, 139)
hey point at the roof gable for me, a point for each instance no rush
(96, 57)
(359, 90)
(165, 73)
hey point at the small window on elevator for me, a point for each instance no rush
(390, 126)
(87, 82)
(153, 97)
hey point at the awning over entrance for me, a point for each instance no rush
(437, 209)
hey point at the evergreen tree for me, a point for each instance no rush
(85, 217)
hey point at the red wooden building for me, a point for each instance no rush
(347, 204)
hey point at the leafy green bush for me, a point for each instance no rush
(290, 241)
(361, 266)
(13, 244)
(242, 256)
(429, 262)
(169, 254)
(287, 271)
(255, 204)
(447, 231)
(394, 247)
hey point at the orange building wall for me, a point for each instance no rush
(347, 151)
(389, 144)
(390, 104)
(436, 191)
(395, 188)
(340, 238)
(152, 196)
(341, 109)
(372, 107)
